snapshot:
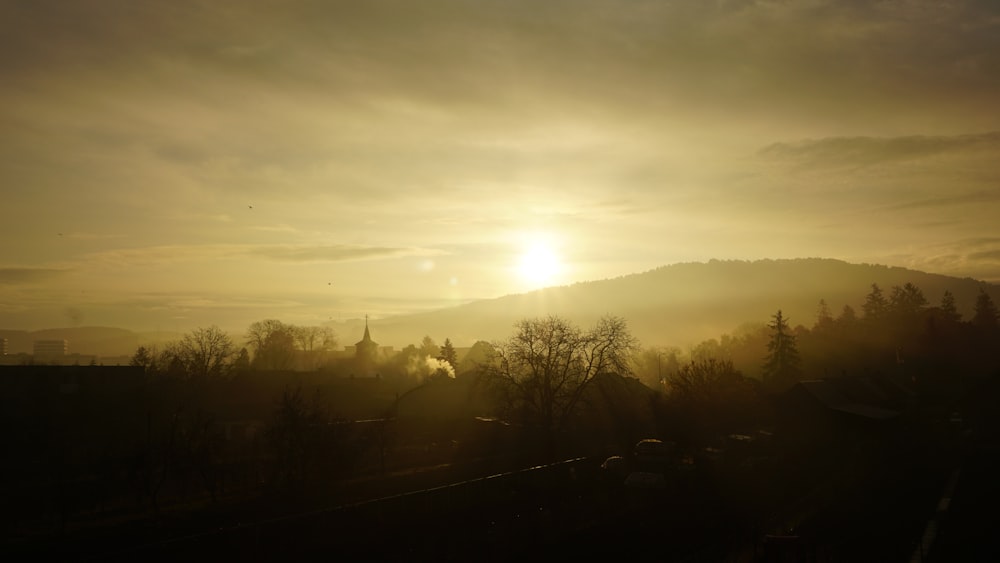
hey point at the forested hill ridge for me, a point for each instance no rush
(683, 304)
(675, 305)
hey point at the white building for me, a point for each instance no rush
(50, 351)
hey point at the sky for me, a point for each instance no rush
(169, 165)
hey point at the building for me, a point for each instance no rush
(50, 351)
(838, 414)
(366, 352)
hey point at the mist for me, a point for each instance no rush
(500, 280)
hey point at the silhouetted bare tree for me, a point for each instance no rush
(170, 361)
(206, 351)
(707, 397)
(704, 378)
(311, 338)
(144, 358)
(313, 341)
(542, 370)
(273, 344)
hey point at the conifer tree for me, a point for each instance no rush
(824, 319)
(875, 304)
(847, 316)
(906, 301)
(948, 308)
(986, 314)
(781, 367)
(448, 353)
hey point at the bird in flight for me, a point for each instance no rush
(250, 206)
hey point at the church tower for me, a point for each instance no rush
(366, 351)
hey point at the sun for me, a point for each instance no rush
(539, 263)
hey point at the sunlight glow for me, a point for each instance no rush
(539, 263)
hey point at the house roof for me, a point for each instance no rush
(849, 395)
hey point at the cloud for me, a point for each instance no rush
(414, 126)
(869, 151)
(94, 236)
(883, 184)
(25, 276)
(169, 254)
(336, 253)
(980, 242)
(390, 61)
(366, 104)
(992, 256)
(983, 198)
(977, 257)
(163, 254)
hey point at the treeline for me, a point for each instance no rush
(723, 385)
(272, 345)
(269, 345)
(895, 331)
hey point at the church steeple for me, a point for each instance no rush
(366, 351)
(368, 336)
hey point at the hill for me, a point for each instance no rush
(93, 340)
(680, 305)
(683, 304)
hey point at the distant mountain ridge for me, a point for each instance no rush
(683, 304)
(88, 340)
(680, 304)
